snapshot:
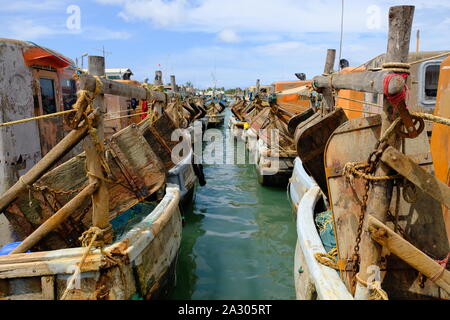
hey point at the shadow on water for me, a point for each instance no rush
(238, 239)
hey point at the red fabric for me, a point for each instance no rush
(396, 98)
(144, 109)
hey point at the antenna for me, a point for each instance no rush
(103, 51)
(342, 32)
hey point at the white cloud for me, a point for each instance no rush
(229, 36)
(101, 33)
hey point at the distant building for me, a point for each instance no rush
(118, 73)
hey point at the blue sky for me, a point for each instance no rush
(237, 41)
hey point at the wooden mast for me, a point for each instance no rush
(100, 198)
(174, 84)
(328, 70)
(400, 23)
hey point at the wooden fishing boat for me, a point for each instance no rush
(34, 81)
(50, 210)
(236, 122)
(214, 113)
(139, 265)
(401, 229)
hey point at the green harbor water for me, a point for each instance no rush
(238, 239)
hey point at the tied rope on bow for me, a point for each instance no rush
(401, 69)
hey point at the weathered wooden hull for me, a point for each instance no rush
(137, 156)
(312, 279)
(236, 127)
(215, 120)
(272, 169)
(140, 265)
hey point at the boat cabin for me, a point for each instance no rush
(34, 81)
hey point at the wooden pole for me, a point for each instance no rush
(174, 84)
(327, 92)
(100, 199)
(88, 82)
(361, 81)
(158, 78)
(400, 23)
(418, 40)
(257, 87)
(38, 170)
(55, 220)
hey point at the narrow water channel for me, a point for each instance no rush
(238, 239)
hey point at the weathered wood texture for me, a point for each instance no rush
(43, 165)
(96, 173)
(55, 220)
(422, 220)
(311, 139)
(364, 81)
(87, 82)
(147, 258)
(386, 237)
(410, 170)
(138, 161)
(379, 199)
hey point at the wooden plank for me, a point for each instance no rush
(408, 253)
(71, 175)
(311, 140)
(67, 143)
(414, 173)
(48, 287)
(55, 220)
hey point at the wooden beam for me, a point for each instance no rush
(56, 153)
(427, 182)
(48, 287)
(158, 78)
(55, 220)
(379, 199)
(327, 92)
(100, 198)
(371, 81)
(88, 82)
(174, 84)
(329, 61)
(386, 237)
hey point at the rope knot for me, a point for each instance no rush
(90, 236)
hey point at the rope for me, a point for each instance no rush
(360, 101)
(375, 290)
(87, 240)
(430, 58)
(425, 116)
(328, 259)
(443, 264)
(355, 169)
(56, 114)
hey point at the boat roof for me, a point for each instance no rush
(35, 54)
(413, 56)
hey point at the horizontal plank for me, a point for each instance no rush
(88, 82)
(415, 174)
(361, 81)
(407, 252)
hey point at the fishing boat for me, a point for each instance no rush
(361, 226)
(128, 248)
(214, 112)
(236, 122)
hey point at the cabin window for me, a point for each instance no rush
(431, 81)
(48, 95)
(69, 93)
